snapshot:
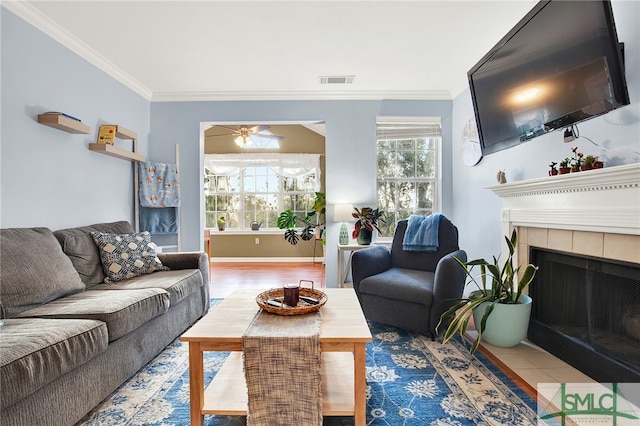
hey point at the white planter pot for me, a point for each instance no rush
(507, 325)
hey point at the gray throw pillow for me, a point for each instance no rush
(78, 245)
(126, 256)
(33, 270)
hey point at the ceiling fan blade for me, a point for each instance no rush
(257, 129)
(263, 135)
(223, 134)
(235, 129)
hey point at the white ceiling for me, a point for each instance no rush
(210, 50)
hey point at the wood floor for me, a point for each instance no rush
(228, 276)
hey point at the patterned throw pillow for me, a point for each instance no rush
(126, 256)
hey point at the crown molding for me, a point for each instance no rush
(430, 95)
(36, 18)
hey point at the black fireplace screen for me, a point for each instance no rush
(586, 311)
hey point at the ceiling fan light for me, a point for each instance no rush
(243, 141)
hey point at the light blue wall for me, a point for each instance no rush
(350, 149)
(477, 210)
(49, 177)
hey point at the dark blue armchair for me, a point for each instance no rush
(408, 289)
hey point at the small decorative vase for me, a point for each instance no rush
(598, 165)
(564, 170)
(553, 172)
(344, 234)
(221, 226)
(364, 238)
(586, 167)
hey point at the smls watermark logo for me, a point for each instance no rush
(580, 404)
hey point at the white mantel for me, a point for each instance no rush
(601, 200)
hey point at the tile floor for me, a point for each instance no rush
(535, 365)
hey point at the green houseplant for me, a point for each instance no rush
(576, 161)
(498, 286)
(564, 167)
(366, 221)
(311, 221)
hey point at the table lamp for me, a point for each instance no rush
(343, 213)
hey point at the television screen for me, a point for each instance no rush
(561, 64)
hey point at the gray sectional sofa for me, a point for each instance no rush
(69, 339)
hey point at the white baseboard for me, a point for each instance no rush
(265, 259)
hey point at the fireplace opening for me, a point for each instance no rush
(586, 311)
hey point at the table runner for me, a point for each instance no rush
(282, 370)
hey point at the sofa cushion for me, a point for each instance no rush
(408, 285)
(126, 256)
(78, 245)
(34, 270)
(35, 351)
(179, 283)
(122, 311)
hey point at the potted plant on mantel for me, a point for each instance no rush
(564, 166)
(288, 220)
(367, 221)
(500, 310)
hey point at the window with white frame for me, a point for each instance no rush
(244, 188)
(408, 152)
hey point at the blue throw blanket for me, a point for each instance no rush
(159, 221)
(159, 185)
(422, 233)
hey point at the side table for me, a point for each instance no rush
(343, 270)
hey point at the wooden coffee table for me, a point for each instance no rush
(343, 336)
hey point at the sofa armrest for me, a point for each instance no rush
(368, 262)
(190, 260)
(448, 285)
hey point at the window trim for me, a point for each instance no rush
(409, 122)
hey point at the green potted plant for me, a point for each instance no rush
(222, 223)
(367, 221)
(501, 297)
(588, 162)
(576, 161)
(310, 223)
(564, 167)
(554, 170)
(598, 164)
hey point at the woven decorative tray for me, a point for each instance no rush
(277, 295)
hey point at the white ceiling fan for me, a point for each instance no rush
(244, 133)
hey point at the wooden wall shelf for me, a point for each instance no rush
(116, 152)
(122, 133)
(113, 151)
(63, 123)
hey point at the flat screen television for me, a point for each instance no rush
(560, 65)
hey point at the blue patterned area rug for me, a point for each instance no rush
(411, 380)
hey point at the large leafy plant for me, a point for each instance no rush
(308, 223)
(498, 284)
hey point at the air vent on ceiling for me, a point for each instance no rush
(337, 79)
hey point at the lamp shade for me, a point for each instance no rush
(343, 213)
